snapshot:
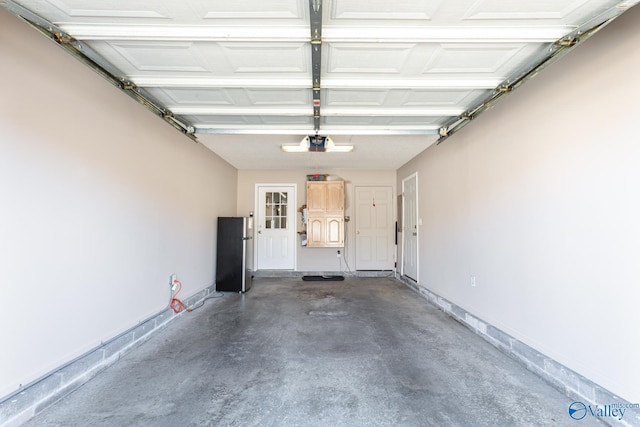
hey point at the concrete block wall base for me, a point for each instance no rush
(31, 399)
(572, 384)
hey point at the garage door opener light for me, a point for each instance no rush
(318, 144)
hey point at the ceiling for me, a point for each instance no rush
(390, 77)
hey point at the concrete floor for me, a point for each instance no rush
(363, 352)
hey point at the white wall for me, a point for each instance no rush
(101, 201)
(314, 259)
(540, 200)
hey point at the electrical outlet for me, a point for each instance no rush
(473, 281)
(172, 280)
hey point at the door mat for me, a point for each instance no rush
(322, 278)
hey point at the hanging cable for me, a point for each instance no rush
(344, 252)
(176, 305)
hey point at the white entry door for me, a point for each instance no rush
(410, 227)
(275, 232)
(374, 228)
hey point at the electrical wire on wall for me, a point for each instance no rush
(178, 306)
(344, 253)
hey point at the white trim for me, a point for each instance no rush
(411, 34)
(399, 83)
(167, 34)
(306, 111)
(331, 34)
(219, 82)
(327, 83)
(308, 130)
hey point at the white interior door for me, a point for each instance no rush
(410, 227)
(374, 228)
(275, 233)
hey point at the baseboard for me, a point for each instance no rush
(20, 406)
(293, 273)
(572, 384)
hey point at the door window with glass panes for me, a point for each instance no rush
(276, 210)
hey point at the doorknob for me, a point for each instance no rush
(357, 231)
(259, 231)
(414, 233)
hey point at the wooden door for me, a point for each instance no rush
(334, 231)
(334, 196)
(316, 197)
(316, 232)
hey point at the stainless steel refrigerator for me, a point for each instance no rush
(234, 254)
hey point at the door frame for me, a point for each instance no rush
(294, 229)
(413, 176)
